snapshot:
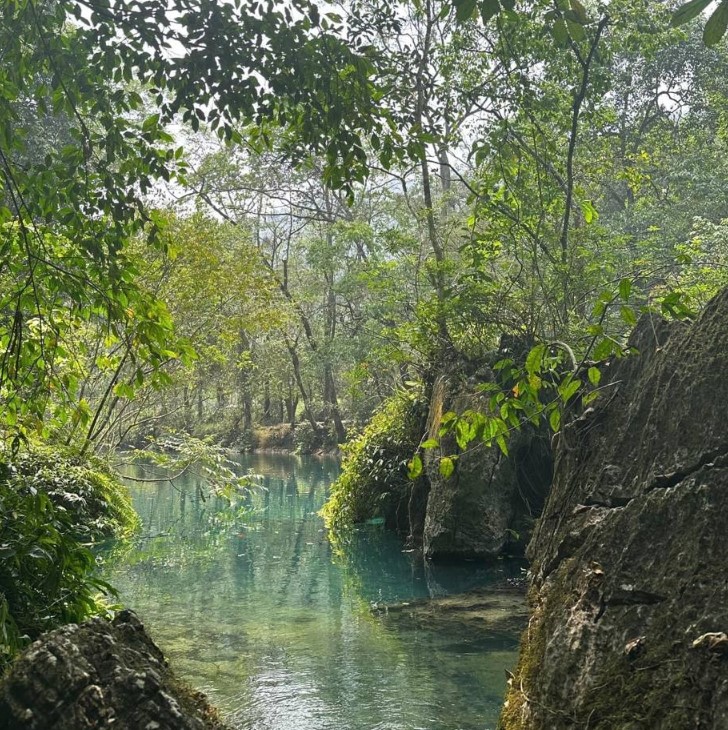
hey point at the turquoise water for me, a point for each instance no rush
(257, 609)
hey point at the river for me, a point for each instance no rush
(255, 607)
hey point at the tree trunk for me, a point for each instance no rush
(267, 413)
(187, 407)
(296, 362)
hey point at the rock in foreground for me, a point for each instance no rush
(99, 674)
(629, 594)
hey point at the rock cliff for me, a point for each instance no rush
(629, 599)
(99, 674)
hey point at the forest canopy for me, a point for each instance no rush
(280, 213)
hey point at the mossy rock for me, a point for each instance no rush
(100, 674)
(374, 484)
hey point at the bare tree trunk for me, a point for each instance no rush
(296, 362)
(267, 405)
(187, 407)
(438, 275)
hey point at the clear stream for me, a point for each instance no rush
(256, 608)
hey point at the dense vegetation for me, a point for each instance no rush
(55, 505)
(228, 216)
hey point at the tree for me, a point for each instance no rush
(68, 217)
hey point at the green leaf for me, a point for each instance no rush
(124, 390)
(150, 123)
(555, 420)
(567, 390)
(430, 444)
(448, 418)
(687, 12)
(502, 445)
(464, 434)
(589, 211)
(604, 349)
(464, 9)
(625, 289)
(594, 375)
(580, 11)
(576, 30)
(717, 24)
(488, 10)
(628, 316)
(535, 359)
(560, 32)
(414, 467)
(447, 467)
(594, 330)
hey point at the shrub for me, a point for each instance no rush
(308, 441)
(54, 505)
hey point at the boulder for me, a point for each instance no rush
(99, 674)
(488, 501)
(629, 600)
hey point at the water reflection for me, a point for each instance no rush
(255, 607)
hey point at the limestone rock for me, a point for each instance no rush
(488, 499)
(99, 674)
(629, 596)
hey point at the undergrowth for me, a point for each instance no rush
(373, 481)
(54, 505)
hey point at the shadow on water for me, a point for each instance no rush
(254, 606)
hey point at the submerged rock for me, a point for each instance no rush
(99, 674)
(629, 595)
(490, 499)
(481, 611)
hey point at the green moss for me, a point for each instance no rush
(532, 653)
(529, 661)
(373, 482)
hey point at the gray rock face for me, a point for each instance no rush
(629, 592)
(96, 675)
(487, 500)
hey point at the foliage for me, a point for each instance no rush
(716, 24)
(373, 482)
(569, 165)
(80, 155)
(308, 441)
(218, 299)
(568, 17)
(178, 453)
(703, 262)
(55, 504)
